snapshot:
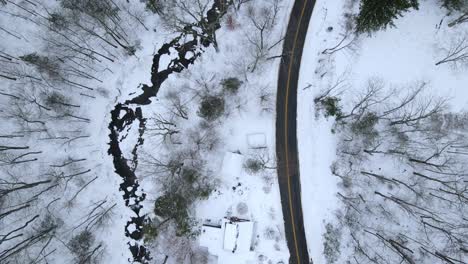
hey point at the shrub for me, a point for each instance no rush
(231, 85)
(365, 127)
(366, 124)
(57, 102)
(80, 245)
(190, 175)
(269, 233)
(211, 108)
(175, 206)
(150, 232)
(154, 6)
(331, 106)
(253, 166)
(57, 21)
(242, 208)
(43, 64)
(171, 206)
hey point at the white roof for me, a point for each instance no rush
(256, 140)
(244, 240)
(232, 165)
(238, 236)
(210, 236)
(230, 237)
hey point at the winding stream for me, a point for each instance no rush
(129, 115)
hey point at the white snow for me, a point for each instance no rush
(231, 242)
(316, 143)
(230, 236)
(245, 235)
(232, 165)
(256, 140)
(398, 56)
(210, 236)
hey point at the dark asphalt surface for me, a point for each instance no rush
(286, 139)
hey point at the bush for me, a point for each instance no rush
(231, 85)
(253, 166)
(375, 15)
(211, 108)
(242, 208)
(331, 106)
(171, 206)
(43, 64)
(196, 184)
(365, 128)
(150, 232)
(365, 125)
(80, 245)
(154, 6)
(269, 233)
(57, 102)
(190, 175)
(57, 21)
(175, 207)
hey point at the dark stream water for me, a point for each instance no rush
(125, 116)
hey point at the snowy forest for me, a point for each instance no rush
(117, 115)
(401, 154)
(77, 83)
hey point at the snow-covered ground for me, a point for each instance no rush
(249, 119)
(398, 56)
(259, 192)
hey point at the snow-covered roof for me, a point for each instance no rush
(230, 236)
(238, 235)
(232, 164)
(256, 140)
(234, 236)
(210, 236)
(244, 239)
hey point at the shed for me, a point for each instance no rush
(238, 235)
(232, 165)
(256, 140)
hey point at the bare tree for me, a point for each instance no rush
(263, 20)
(461, 19)
(348, 41)
(425, 188)
(160, 126)
(190, 17)
(457, 53)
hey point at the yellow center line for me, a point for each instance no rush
(286, 130)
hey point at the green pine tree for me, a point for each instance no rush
(375, 15)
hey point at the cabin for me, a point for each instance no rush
(233, 235)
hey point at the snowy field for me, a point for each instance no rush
(398, 57)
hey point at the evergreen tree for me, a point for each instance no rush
(375, 15)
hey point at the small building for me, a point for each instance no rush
(210, 235)
(232, 165)
(256, 140)
(238, 235)
(233, 235)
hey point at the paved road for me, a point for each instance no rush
(286, 140)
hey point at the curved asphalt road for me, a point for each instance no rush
(286, 140)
